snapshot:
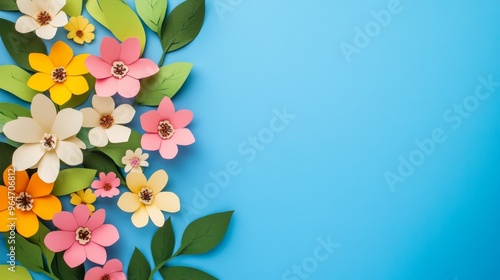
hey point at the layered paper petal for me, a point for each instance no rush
(26, 7)
(151, 142)
(183, 137)
(158, 181)
(4, 216)
(181, 118)
(48, 167)
(150, 121)
(168, 149)
(106, 87)
(118, 133)
(37, 187)
(136, 181)
(90, 117)
(22, 180)
(82, 214)
(98, 67)
(110, 50)
(156, 215)
(58, 241)
(98, 137)
(26, 24)
(69, 153)
(4, 192)
(142, 68)
(43, 112)
(105, 235)
(75, 255)
(168, 202)
(96, 220)
(76, 84)
(41, 63)
(61, 54)
(53, 7)
(166, 108)
(60, 94)
(27, 156)
(41, 82)
(67, 123)
(46, 207)
(123, 114)
(130, 51)
(27, 223)
(103, 105)
(23, 130)
(46, 32)
(128, 87)
(65, 221)
(60, 20)
(140, 218)
(95, 253)
(77, 65)
(129, 202)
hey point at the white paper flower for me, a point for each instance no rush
(47, 137)
(134, 160)
(107, 121)
(41, 16)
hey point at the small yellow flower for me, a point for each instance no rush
(80, 30)
(86, 198)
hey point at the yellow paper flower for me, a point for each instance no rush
(86, 198)
(29, 200)
(59, 72)
(80, 30)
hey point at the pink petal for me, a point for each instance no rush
(118, 276)
(110, 50)
(96, 220)
(95, 253)
(110, 177)
(106, 87)
(142, 68)
(103, 176)
(168, 149)
(58, 241)
(115, 182)
(166, 108)
(81, 213)
(151, 142)
(98, 67)
(128, 87)
(105, 235)
(150, 121)
(181, 118)
(183, 137)
(75, 255)
(97, 184)
(94, 273)
(112, 192)
(112, 266)
(130, 51)
(99, 192)
(65, 221)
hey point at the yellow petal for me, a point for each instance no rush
(46, 207)
(72, 24)
(61, 54)
(91, 208)
(89, 197)
(77, 65)
(89, 28)
(88, 37)
(75, 199)
(136, 181)
(76, 84)
(129, 202)
(21, 179)
(60, 94)
(78, 40)
(27, 223)
(41, 82)
(41, 63)
(71, 35)
(82, 22)
(158, 181)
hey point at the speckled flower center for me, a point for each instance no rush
(165, 130)
(43, 18)
(83, 235)
(48, 141)
(119, 69)
(135, 162)
(146, 196)
(106, 121)
(24, 201)
(107, 186)
(59, 75)
(79, 33)
(106, 277)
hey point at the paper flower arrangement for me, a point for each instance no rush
(79, 139)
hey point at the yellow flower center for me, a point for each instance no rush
(83, 235)
(43, 18)
(79, 33)
(106, 121)
(165, 130)
(119, 69)
(146, 196)
(24, 201)
(59, 75)
(48, 141)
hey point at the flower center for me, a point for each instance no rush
(79, 33)
(48, 141)
(43, 18)
(105, 277)
(165, 130)
(24, 201)
(59, 75)
(107, 187)
(83, 235)
(119, 69)
(135, 162)
(146, 196)
(106, 121)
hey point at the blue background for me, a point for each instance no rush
(323, 175)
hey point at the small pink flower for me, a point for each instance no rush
(81, 237)
(119, 68)
(165, 129)
(112, 270)
(107, 185)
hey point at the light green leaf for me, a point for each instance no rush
(83, 135)
(29, 254)
(6, 152)
(20, 45)
(138, 268)
(184, 273)
(38, 238)
(20, 273)
(183, 25)
(63, 271)
(163, 242)
(204, 234)
(166, 82)
(102, 163)
(73, 180)
(73, 7)
(8, 5)
(77, 100)
(152, 12)
(116, 151)
(14, 79)
(10, 111)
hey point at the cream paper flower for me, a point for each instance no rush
(106, 121)
(41, 16)
(47, 137)
(134, 160)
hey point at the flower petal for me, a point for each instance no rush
(61, 54)
(46, 207)
(103, 105)
(110, 50)
(4, 193)
(76, 84)
(168, 202)
(118, 133)
(58, 241)
(69, 153)
(27, 223)
(151, 142)
(105, 235)
(82, 214)
(130, 50)
(183, 137)
(23, 130)
(129, 202)
(43, 111)
(142, 68)
(28, 8)
(98, 137)
(41, 63)
(140, 218)
(156, 215)
(27, 156)
(60, 94)
(136, 181)
(98, 67)
(158, 181)
(168, 149)
(46, 32)
(77, 65)
(67, 123)
(166, 108)
(48, 167)
(26, 24)
(181, 118)
(21, 182)
(95, 253)
(41, 82)
(128, 87)
(106, 87)
(123, 114)
(65, 221)
(150, 121)
(4, 216)
(94, 273)
(37, 187)
(90, 117)
(76, 141)
(75, 255)
(60, 20)
(52, 7)
(112, 266)
(96, 220)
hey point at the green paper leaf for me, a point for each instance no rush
(152, 12)
(73, 7)
(14, 79)
(116, 151)
(20, 273)
(77, 100)
(20, 45)
(102, 163)
(62, 271)
(83, 135)
(72, 180)
(8, 5)
(184, 273)
(163, 242)
(29, 254)
(183, 25)
(204, 234)
(38, 238)
(6, 152)
(166, 82)
(10, 111)
(139, 268)
(119, 18)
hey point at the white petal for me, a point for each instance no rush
(68, 123)
(75, 140)
(140, 218)
(27, 7)
(46, 32)
(118, 133)
(98, 137)
(127, 168)
(23, 130)
(60, 20)
(27, 156)
(26, 24)
(48, 167)
(168, 202)
(69, 153)
(90, 117)
(51, 6)
(156, 215)
(43, 111)
(123, 114)
(103, 105)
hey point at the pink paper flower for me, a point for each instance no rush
(119, 68)
(165, 129)
(82, 238)
(107, 185)
(112, 270)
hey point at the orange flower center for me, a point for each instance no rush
(59, 75)
(107, 187)
(165, 130)
(146, 196)
(24, 201)
(106, 277)
(48, 141)
(83, 235)
(79, 33)
(119, 69)
(43, 18)
(106, 121)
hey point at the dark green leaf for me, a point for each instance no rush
(163, 242)
(139, 268)
(6, 152)
(77, 100)
(72, 180)
(29, 254)
(10, 111)
(116, 151)
(38, 238)
(14, 79)
(8, 5)
(20, 45)
(152, 12)
(101, 163)
(64, 272)
(204, 234)
(184, 273)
